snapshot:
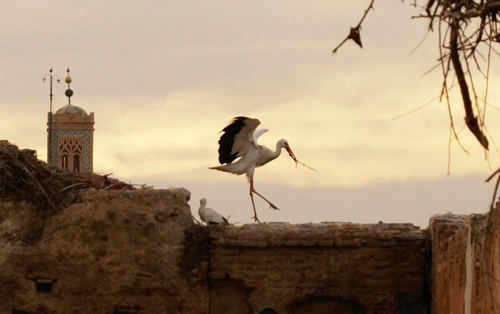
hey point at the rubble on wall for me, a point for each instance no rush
(23, 177)
(40, 191)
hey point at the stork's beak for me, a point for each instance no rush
(290, 152)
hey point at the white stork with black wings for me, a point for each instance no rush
(239, 140)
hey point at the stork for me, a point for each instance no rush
(210, 216)
(239, 140)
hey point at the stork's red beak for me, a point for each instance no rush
(290, 152)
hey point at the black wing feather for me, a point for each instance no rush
(226, 140)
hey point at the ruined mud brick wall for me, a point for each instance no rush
(466, 263)
(135, 252)
(110, 252)
(318, 268)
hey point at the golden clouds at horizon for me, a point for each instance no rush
(177, 137)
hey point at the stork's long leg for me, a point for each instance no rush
(253, 204)
(252, 190)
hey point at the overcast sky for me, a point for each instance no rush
(164, 77)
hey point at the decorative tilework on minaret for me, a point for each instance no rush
(72, 137)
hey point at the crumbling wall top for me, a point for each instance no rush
(323, 234)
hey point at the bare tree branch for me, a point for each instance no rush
(470, 119)
(465, 27)
(354, 32)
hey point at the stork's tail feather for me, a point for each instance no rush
(226, 168)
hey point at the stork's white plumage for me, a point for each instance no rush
(210, 216)
(239, 140)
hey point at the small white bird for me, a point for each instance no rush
(210, 216)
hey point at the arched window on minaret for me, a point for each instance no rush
(64, 162)
(76, 163)
(69, 148)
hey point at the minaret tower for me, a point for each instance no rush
(71, 136)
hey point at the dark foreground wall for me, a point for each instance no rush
(319, 268)
(140, 252)
(111, 252)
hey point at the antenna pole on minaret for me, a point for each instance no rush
(49, 147)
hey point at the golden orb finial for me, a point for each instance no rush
(68, 78)
(68, 92)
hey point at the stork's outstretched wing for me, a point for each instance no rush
(237, 138)
(257, 134)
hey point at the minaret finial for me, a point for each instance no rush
(68, 92)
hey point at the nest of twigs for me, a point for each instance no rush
(23, 177)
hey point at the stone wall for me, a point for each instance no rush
(110, 252)
(140, 252)
(318, 268)
(466, 263)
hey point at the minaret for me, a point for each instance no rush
(71, 144)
